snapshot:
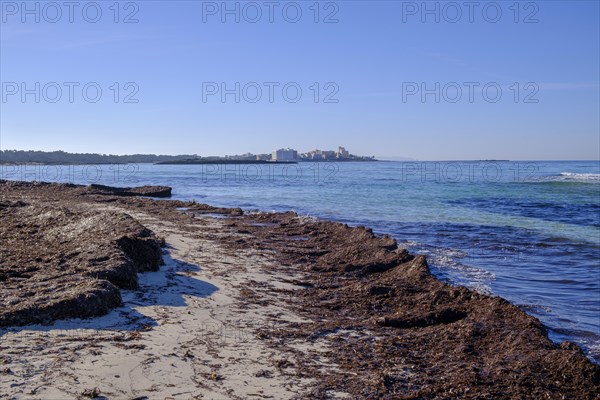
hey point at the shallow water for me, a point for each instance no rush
(527, 231)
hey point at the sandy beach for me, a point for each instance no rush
(247, 306)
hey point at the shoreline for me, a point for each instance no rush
(330, 301)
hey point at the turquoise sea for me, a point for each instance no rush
(526, 231)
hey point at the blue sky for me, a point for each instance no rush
(369, 61)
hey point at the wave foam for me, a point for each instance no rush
(576, 177)
(444, 264)
(580, 176)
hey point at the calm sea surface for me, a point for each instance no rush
(527, 231)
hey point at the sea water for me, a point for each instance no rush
(526, 231)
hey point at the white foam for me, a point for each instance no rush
(580, 176)
(445, 260)
(570, 177)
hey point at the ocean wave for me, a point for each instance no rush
(581, 176)
(445, 265)
(575, 177)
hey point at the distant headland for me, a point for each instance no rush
(278, 156)
(281, 156)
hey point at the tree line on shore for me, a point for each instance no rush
(62, 157)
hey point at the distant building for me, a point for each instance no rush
(329, 155)
(241, 157)
(285, 155)
(315, 154)
(342, 152)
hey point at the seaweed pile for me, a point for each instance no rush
(60, 261)
(396, 331)
(149, 191)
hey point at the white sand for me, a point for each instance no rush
(184, 334)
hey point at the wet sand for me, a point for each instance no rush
(252, 306)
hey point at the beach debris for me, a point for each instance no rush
(148, 191)
(91, 393)
(60, 261)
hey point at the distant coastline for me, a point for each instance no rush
(282, 156)
(222, 161)
(30, 157)
(243, 162)
(190, 162)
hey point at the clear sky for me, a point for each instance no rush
(370, 60)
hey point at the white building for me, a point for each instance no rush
(284, 155)
(342, 152)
